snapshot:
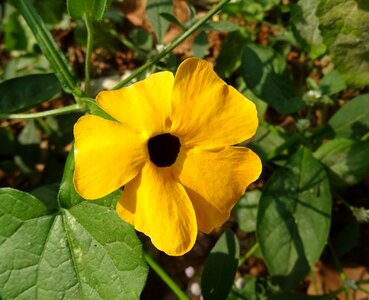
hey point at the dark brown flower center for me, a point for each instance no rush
(163, 149)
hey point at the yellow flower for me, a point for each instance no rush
(170, 148)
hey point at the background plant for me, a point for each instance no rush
(305, 65)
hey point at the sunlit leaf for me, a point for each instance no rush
(306, 25)
(345, 30)
(95, 8)
(352, 120)
(348, 160)
(87, 252)
(246, 210)
(294, 218)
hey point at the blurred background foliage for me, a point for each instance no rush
(302, 229)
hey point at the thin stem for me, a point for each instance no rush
(173, 44)
(41, 114)
(165, 277)
(249, 253)
(90, 38)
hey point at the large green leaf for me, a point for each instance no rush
(220, 268)
(265, 73)
(154, 9)
(345, 30)
(21, 93)
(352, 120)
(306, 25)
(95, 8)
(86, 252)
(348, 160)
(294, 218)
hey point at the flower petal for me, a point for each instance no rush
(208, 112)
(157, 205)
(144, 106)
(215, 179)
(107, 155)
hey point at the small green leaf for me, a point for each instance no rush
(352, 120)
(154, 9)
(246, 210)
(95, 8)
(348, 160)
(22, 93)
(85, 253)
(265, 73)
(306, 25)
(172, 19)
(294, 218)
(29, 134)
(332, 83)
(223, 26)
(200, 45)
(220, 268)
(345, 30)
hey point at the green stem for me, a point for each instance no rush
(49, 48)
(249, 254)
(173, 44)
(47, 113)
(90, 38)
(165, 277)
(365, 291)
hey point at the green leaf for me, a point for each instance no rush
(220, 268)
(352, 120)
(22, 93)
(223, 26)
(154, 9)
(229, 59)
(294, 218)
(29, 134)
(200, 45)
(295, 296)
(306, 26)
(345, 30)
(95, 8)
(265, 73)
(172, 19)
(348, 160)
(332, 83)
(49, 48)
(246, 210)
(267, 139)
(14, 35)
(85, 253)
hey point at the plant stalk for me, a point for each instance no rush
(90, 38)
(165, 277)
(41, 114)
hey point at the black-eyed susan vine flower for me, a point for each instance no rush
(170, 148)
